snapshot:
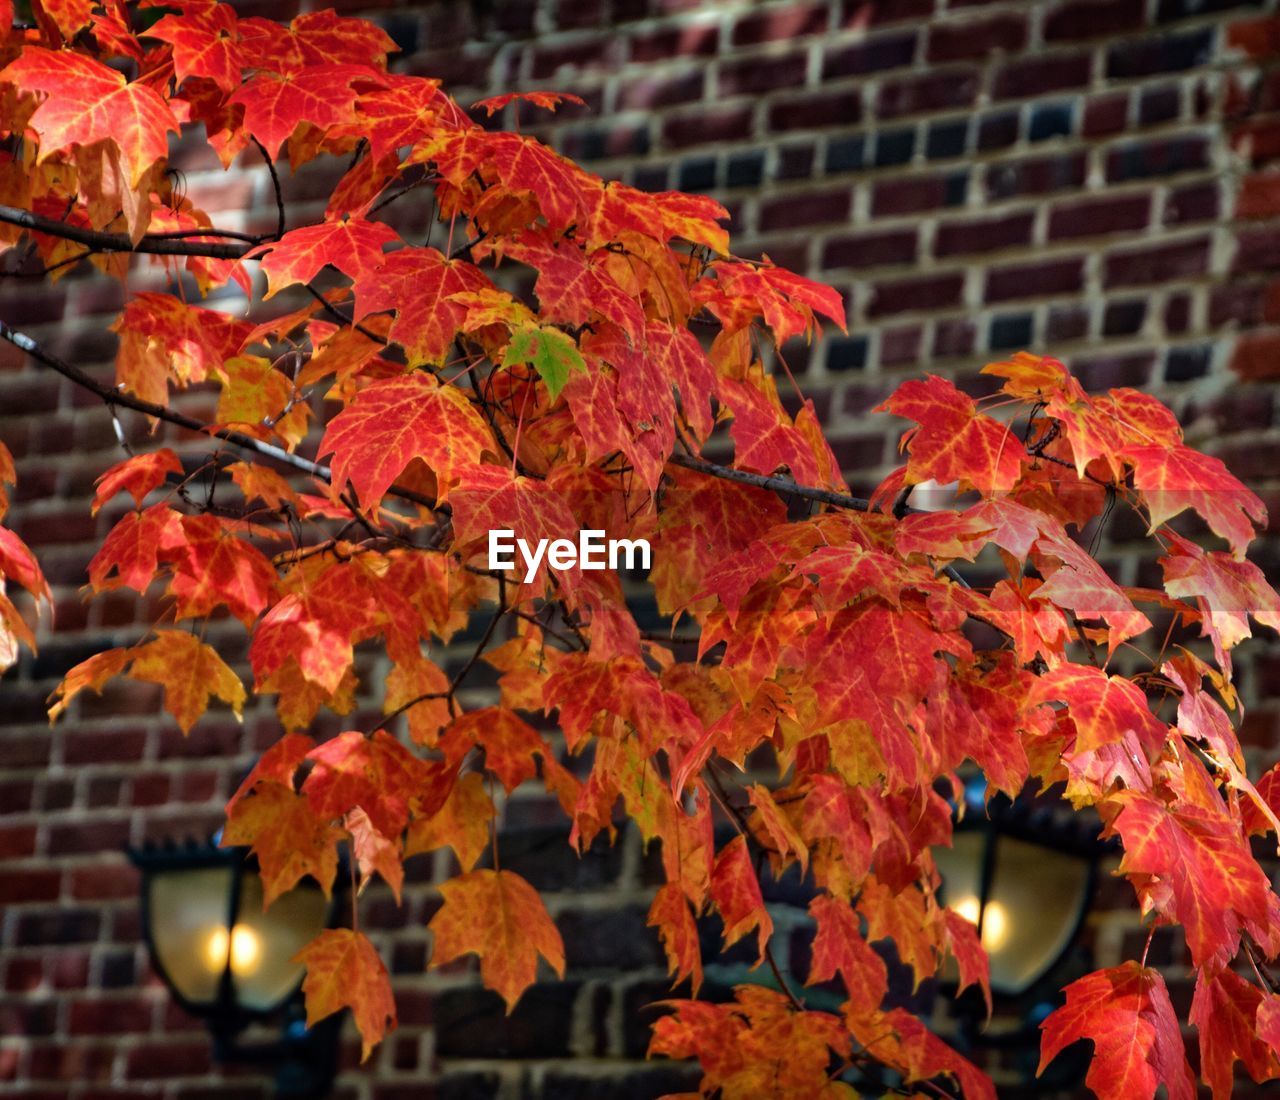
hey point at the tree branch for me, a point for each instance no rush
(115, 397)
(99, 241)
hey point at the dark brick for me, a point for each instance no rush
(1239, 303)
(615, 938)
(1168, 11)
(817, 208)
(869, 56)
(696, 174)
(472, 1023)
(922, 292)
(892, 246)
(638, 1082)
(744, 170)
(1197, 202)
(110, 1016)
(824, 109)
(1101, 372)
(795, 162)
(1123, 318)
(1167, 53)
(956, 189)
(846, 154)
(1257, 250)
(917, 94)
(648, 92)
(543, 856)
(1159, 264)
(908, 196)
(983, 235)
(1188, 362)
(22, 885)
(1157, 105)
(1141, 160)
(1092, 19)
(894, 147)
(1177, 313)
(706, 126)
(997, 130)
(1035, 175)
(1010, 331)
(1096, 217)
(1040, 75)
(756, 75)
(947, 139)
(1067, 322)
(953, 337)
(1050, 120)
(1034, 280)
(976, 38)
(697, 40)
(897, 346)
(846, 353)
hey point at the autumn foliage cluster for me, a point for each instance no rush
(836, 638)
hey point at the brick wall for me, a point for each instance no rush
(1093, 178)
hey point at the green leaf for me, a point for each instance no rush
(553, 355)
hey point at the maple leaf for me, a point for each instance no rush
(463, 823)
(205, 43)
(1137, 1047)
(954, 442)
(288, 840)
(87, 102)
(510, 743)
(375, 852)
(92, 673)
(736, 893)
(276, 104)
(554, 355)
(375, 774)
(1103, 708)
(548, 101)
(671, 915)
(345, 971)
(1225, 1011)
(839, 948)
(137, 475)
(498, 916)
(1174, 478)
(314, 39)
(351, 245)
(190, 672)
(213, 567)
(419, 284)
(392, 422)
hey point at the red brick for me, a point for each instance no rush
(1092, 19)
(97, 835)
(1164, 263)
(816, 208)
(164, 1061)
(1196, 202)
(1256, 356)
(109, 747)
(580, 55)
(706, 126)
(983, 234)
(1256, 250)
(1102, 372)
(976, 38)
(1259, 196)
(1271, 303)
(1035, 175)
(24, 885)
(910, 95)
(102, 882)
(1260, 138)
(1034, 280)
(110, 1016)
(922, 292)
(954, 336)
(900, 345)
(908, 196)
(699, 40)
(1257, 37)
(1040, 75)
(1096, 217)
(17, 841)
(23, 975)
(647, 92)
(756, 75)
(1105, 114)
(821, 110)
(892, 246)
(780, 24)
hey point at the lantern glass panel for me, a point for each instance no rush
(263, 944)
(1034, 906)
(188, 920)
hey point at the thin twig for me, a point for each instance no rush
(275, 183)
(99, 241)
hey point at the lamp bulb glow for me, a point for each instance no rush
(995, 921)
(244, 946)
